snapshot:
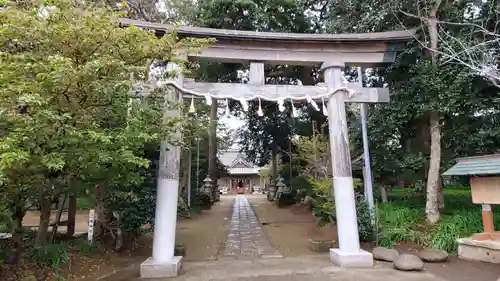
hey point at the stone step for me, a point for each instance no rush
(310, 268)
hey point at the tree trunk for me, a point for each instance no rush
(71, 216)
(100, 210)
(274, 161)
(383, 194)
(433, 186)
(185, 173)
(212, 147)
(43, 225)
(441, 194)
(17, 233)
(60, 209)
(433, 177)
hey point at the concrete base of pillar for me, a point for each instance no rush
(151, 269)
(361, 259)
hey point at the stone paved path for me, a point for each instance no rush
(246, 238)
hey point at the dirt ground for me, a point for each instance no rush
(204, 233)
(201, 234)
(290, 228)
(32, 218)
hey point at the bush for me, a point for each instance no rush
(201, 202)
(324, 207)
(397, 223)
(83, 247)
(53, 255)
(322, 201)
(404, 220)
(462, 224)
(136, 203)
(286, 200)
(366, 229)
(183, 208)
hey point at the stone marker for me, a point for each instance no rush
(408, 262)
(385, 254)
(431, 255)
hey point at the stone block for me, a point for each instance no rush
(151, 269)
(407, 262)
(433, 255)
(180, 250)
(321, 246)
(485, 251)
(361, 259)
(385, 254)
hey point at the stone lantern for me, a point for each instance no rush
(271, 194)
(282, 188)
(207, 188)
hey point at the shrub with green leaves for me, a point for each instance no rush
(365, 218)
(462, 223)
(84, 247)
(324, 207)
(286, 199)
(322, 200)
(396, 223)
(183, 208)
(53, 255)
(403, 220)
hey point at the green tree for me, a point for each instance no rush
(423, 87)
(67, 121)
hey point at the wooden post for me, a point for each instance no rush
(190, 167)
(487, 214)
(349, 253)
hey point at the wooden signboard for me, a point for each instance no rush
(485, 190)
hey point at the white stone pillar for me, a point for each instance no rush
(163, 263)
(190, 168)
(349, 253)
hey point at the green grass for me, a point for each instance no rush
(84, 203)
(403, 219)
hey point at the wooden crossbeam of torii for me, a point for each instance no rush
(357, 94)
(276, 92)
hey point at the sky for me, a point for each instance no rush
(232, 122)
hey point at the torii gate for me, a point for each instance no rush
(257, 49)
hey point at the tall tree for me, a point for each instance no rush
(400, 134)
(68, 124)
(433, 177)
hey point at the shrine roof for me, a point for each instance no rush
(398, 35)
(231, 158)
(477, 165)
(237, 164)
